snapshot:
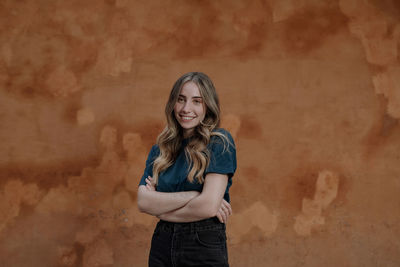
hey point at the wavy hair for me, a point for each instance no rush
(170, 139)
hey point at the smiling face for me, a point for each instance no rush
(189, 109)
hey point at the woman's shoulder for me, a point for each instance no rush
(155, 150)
(221, 139)
(221, 133)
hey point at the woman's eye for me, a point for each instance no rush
(197, 101)
(181, 100)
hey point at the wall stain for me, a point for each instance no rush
(48, 49)
(83, 57)
(23, 85)
(254, 22)
(256, 217)
(388, 125)
(307, 29)
(202, 25)
(326, 190)
(386, 84)
(249, 128)
(45, 176)
(381, 131)
(71, 109)
(97, 197)
(71, 256)
(302, 184)
(148, 130)
(231, 122)
(249, 181)
(377, 33)
(48, 233)
(390, 7)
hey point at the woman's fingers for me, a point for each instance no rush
(219, 216)
(224, 211)
(223, 214)
(149, 180)
(227, 206)
(150, 183)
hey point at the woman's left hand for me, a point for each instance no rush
(224, 211)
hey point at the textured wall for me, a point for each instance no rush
(310, 89)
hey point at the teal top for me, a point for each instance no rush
(174, 179)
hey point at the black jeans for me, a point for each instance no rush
(201, 243)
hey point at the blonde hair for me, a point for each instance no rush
(170, 139)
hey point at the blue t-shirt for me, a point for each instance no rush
(174, 179)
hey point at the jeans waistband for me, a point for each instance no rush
(206, 224)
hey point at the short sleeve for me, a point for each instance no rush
(222, 155)
(148, 171)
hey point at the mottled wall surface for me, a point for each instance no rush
(310, 89)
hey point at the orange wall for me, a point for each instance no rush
(310, 90)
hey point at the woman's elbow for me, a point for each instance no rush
(142, 203)
(209, 211)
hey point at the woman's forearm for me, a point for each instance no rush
(206, 205)
(198, 208)
(157, 203)
(189, 214)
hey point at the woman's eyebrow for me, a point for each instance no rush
(192, 97)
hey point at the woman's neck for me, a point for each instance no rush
(187, 133)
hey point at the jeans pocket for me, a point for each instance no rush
(211, 238)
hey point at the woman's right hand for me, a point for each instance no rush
(224, 211)
(150, 184)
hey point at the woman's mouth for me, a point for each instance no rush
(187, 118)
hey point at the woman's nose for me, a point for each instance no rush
(186, 107)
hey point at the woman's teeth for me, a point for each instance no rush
(187, 118)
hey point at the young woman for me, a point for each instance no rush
(187, 178)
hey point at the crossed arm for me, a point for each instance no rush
(187, 206)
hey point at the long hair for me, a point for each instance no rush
(170, 139)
